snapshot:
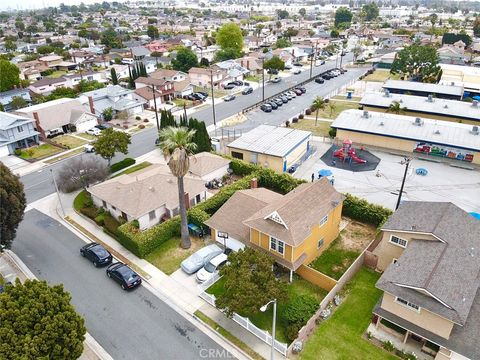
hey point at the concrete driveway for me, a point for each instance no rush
(13, 162)
(188, 281)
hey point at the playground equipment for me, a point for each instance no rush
(421, 171)
(347, 153)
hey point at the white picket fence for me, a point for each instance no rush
(242, 321)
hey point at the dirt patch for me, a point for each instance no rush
(357, 236)
(197, 243)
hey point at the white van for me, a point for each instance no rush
(127, 61)
(54, 132)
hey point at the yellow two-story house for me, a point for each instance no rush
(294, 228)
(430, 258)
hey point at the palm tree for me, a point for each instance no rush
(318, 104)
(396, 108)
(176, 145)
(332, 107)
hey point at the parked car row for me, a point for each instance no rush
(275, 103)
(205, 262)
(197, 96)
(118, 271)
(331, 74)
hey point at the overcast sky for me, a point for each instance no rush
(38, 4)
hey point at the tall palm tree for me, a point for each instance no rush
(317, 105)
(396, 108)
(176, 145)
(332, 107)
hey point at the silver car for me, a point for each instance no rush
(198, 260)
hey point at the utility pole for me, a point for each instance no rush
(155, 104)
(311, 63)
(213, 101)
(58, 193)
(263, 78)
(406, 161)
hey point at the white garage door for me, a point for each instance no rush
(84, 126)
(233, 244)
(4, 151)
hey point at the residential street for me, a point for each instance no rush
(129, 325)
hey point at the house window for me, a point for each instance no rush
(407, 304)
(104, 204)
(324, 220)
(277, 245)
(320, 243)
(20, 128)
(151, 215)
(394, 261)
(114, 208)
(237, 155)
(398, 241)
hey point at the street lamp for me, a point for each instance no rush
(406, 162)
(263, 309)
(155, 104)
(263, 78)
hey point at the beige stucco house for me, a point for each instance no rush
(430, 258)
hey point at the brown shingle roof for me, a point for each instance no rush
(301, 209)
(146, 93)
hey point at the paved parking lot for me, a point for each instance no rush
(443, 182)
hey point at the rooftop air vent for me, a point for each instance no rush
(445, 106)
(437, 132)
(381, 123)
(475, 130)
(418, 121)
(400, 101)
(430, 98)
(475, 103)
(387, 93)
(452, 83)
(365, 114)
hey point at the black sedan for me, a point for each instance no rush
(123, 275)
(319, 80)
(97, 254)
(103, 126)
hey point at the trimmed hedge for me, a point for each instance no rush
(362, 210)
(90, 212)
(111, 224)
(122, 164)
(197, 216)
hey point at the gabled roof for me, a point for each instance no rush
(298, 212)
(8, 120)
(204, 163)
(442, 276)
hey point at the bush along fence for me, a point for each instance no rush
(240, 320)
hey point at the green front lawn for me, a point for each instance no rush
(180, 102)
(80, 200)
(339, 106)
(86, 136)
(256, 78)
(321, 129)
(381, 75)
(69, 141)
(340, 336)
(168, 256)
(57, 74)
(263, 320)
(39, 151)
(335, 260)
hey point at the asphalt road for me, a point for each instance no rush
(129, 325)
(40, 184)
(227, 109)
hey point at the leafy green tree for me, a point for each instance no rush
(342, 16)
(332, 107)
(12, 198)
(167, 119)
(107, 114)
(110, 38)
(177, 146)
(185, 60)
(10, 45)
(10, 75)
(302, 12)
(61, 92)
(39, 322)
(152, 32)
(204, 62)
(396, 108)
(230, 36)
(370, 11)
(290, 32)
(20, 25)
(282, 43)
(334, 33)
(476, 26)
(317, 105)
(282, 14)
(418, 63)
(18, 102)
(113, 74)
(45, 49)
(249, 283)
(85, 85)
(201, 137)
(110, 142)
(227, 54)
(274, 63)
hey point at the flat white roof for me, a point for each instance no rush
(443, 107)
(271, 140)
(428, 88)
(403, 127)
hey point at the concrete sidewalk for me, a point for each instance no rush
(11, 268)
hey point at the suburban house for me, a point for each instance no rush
(112, 96)
(208, 166)
(280, 224)
(45, 86)
(50, 60)
(452, 53)
(80, 56)
(31, 70)
(277, 148)
(16, 132)
(163, 87)
(6, 97)
(203, 77)
(73, 80)
(430, 259)
(149, 195)
(169, 75)
(60, 114)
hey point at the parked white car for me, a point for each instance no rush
(211, 268)
(93, 131)
(89, 148)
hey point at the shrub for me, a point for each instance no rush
(138, 118)
(135, 224)
(281, 183)
(90, 212)
(197, 216)
(295, 120)
(18, 152)
(388, 345)
(308, 112)
(362, 210)
(242, 168)
(291, 331)
(111, 224)
(287, 123)
(300, 309)
(301, 116)
(122, 164)
(99, 219)
(332, 132)
(141, 126)
(125, 126)
(145, 120)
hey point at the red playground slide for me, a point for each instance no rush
(356, 158)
